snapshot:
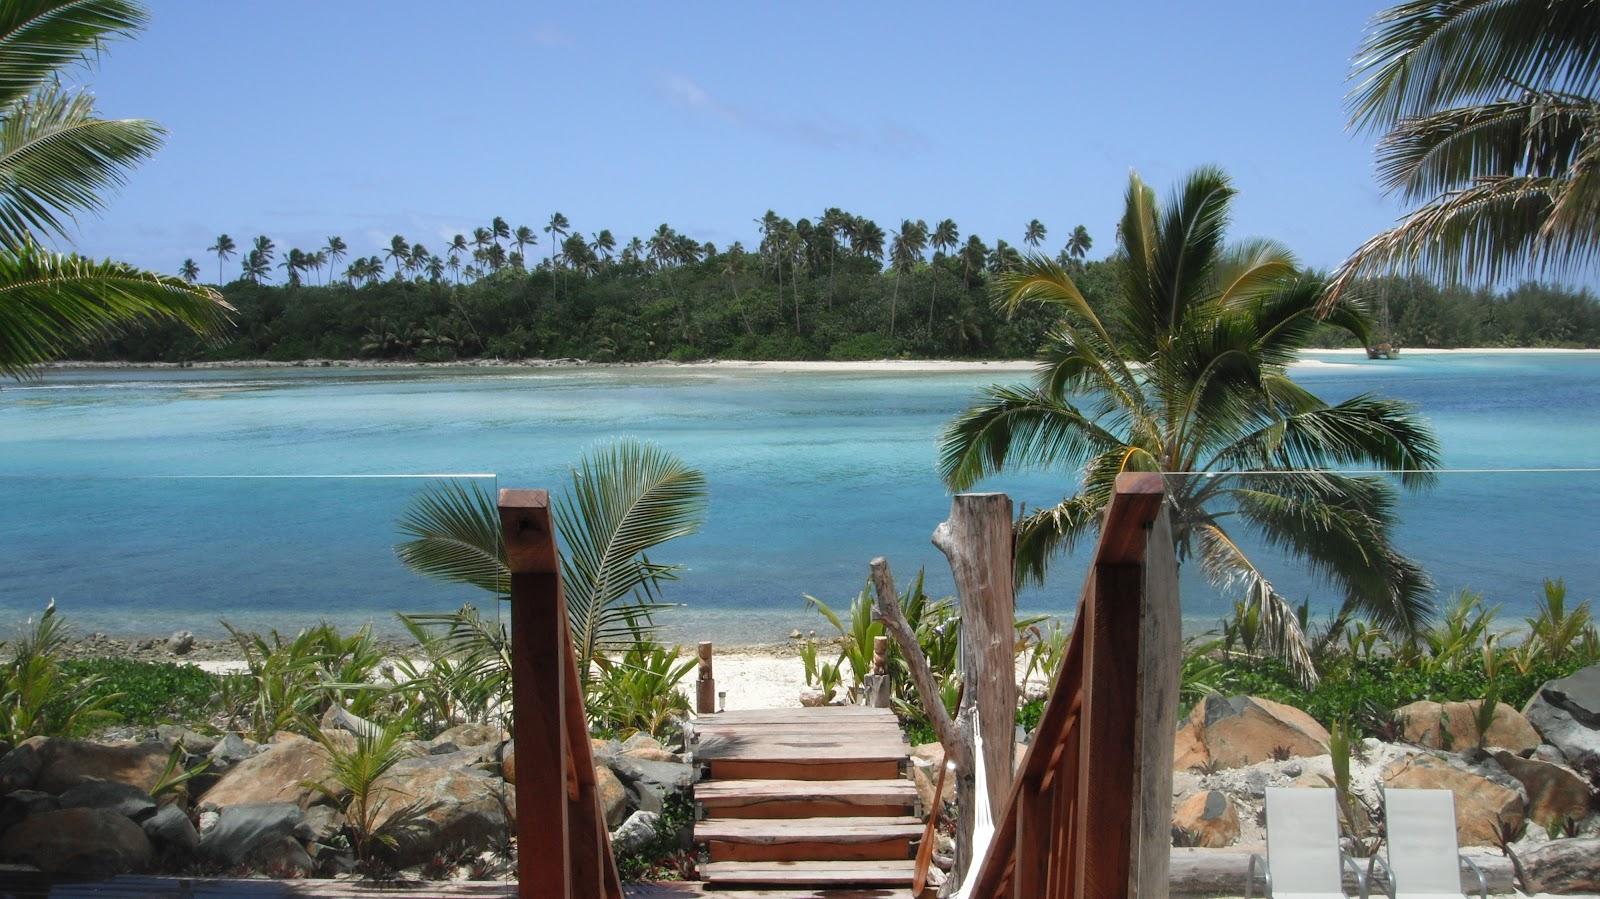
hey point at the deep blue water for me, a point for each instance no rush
(810, 476)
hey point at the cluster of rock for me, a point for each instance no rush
(87, 808)
(1527, 768)
(636, 781)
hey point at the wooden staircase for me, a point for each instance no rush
(806, 802)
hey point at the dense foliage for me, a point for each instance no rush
(736, 304)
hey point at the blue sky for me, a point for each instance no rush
(302, 119)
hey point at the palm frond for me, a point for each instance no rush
(1016, 426)
(40, 37)
(455, 534)
(1227, 566)
(626, 498)
(57, 159)
(1361, 431)
(52, 304)
(1044, 534)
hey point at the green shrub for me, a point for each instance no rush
(38, 698)
(147, 693)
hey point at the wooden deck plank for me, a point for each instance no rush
(841, 748)
(832, 830)
(720, 794)
(813, 874)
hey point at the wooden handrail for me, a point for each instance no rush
(563, 847)
(1081, 817)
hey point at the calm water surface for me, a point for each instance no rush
(810, 476)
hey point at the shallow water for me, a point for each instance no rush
(811, 474)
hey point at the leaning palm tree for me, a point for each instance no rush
(57, 159)
(1490, 111)
(1034, 234)
(189, 271)
(224, 247)
(1184, 370)
(1079, 242)
(626, 498)
(334, 250)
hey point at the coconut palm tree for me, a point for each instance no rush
(399, 253)
(1033, 235)
(256, 266)
(224, 247)
(557, 229)
(626, 498)
(264, 246)
(904, 253)
(604, 244)
(973, 256)
(1185, 370)
(188, 271)
(523, 238)
(1079, 242)
(944, 239)
(500, 229)
(869, 239)
(1490, 111)
(335, 250)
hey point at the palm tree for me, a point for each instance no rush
(604, 244)
(255, 266)
(523, 238)
(266, 248)
(634, 251)
(973, 257)
(557, 229)
(1492, 119)
(224, 247)
(336, 249)
(188, 271)
(869, 239)
(626, 498)
(944, 239)
(1034, 234)
(500, 229)
(317, 260)
(904, 253)
(1184, 370)
(399, 253)
(1079, 242)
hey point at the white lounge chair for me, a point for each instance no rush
(1424, 858)
(1303, 855)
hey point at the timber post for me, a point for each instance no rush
(705, 688)
(878, 687)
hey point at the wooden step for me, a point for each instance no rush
(805, 798)
(809, 839)
(854, 875)
(838, 754)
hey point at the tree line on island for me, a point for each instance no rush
(837, 286)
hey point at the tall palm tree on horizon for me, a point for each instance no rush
(557, 228)
(335, 249)
(1184, 370)
(1079, 242)
(1034, 234)
(224, 247)
(188, 271)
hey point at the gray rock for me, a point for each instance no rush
(430, 808)
(20, 767)
(124, 799)
(635, 833)
(180, 643)
(191, 741)
(19, 804)
(651, 783)
(322, 822)
(171, 831)
(445, 748)
(1293, 770)
(1566, 712)
(91, 842)
(464, 735)
(1547, 753)
(229, 751)
(244, 832)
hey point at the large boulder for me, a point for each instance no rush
(1564, 866)
(1567, 712)
(124, 799)
(612, 794)
(1234, 731)
(1484, 793)
(635, 833)
(1454, 726)
(643, 746)
(253, 833)
(432, 806)
(171, 832)
(82, 841)
(278, 773)
(651, 784)
(1209, 817)
(1555, 792)
(53, 765)
(465, 735)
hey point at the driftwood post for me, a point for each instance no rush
(976, 540)
(877, 686)
(705, 689)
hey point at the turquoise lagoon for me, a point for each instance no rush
(147, 500)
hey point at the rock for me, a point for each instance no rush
(124, 799)
(192, 742)
(67, 763)
(93, 842)
(635, 833)
(926, 760)
(1210, 817)
(1547, 753)
(252, 833)
(1235, 731)
(643, 746)
(19, 804)
(465, 735)
(170, 830)
(1555, 792)
(1566, 711)
(229, 751)
(20, 767)
(433, 807)
(508, 762)
(278, 773)
(794, 634)
(1564, 866)
(433, 747)
(146, 644)
(321, 824)
(604, 750)
(1453, 726)
(1484, 792)
(651, 783)
(180, 643)
(612, 795)
(811, 698)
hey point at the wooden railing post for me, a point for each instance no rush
(705, 689)
(563, 848)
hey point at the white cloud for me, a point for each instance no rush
(821, 132)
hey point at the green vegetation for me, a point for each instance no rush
(1490, 116)
(38, 697)
(144, 693)
(1184, 370)
(56, 161)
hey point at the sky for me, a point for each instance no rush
(301, 119)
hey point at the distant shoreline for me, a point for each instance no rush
(866, 365)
